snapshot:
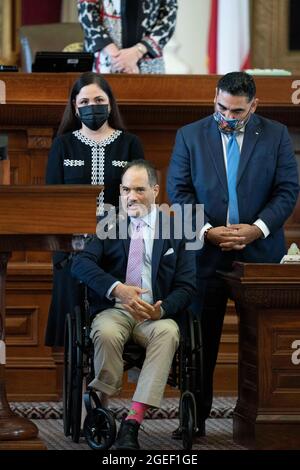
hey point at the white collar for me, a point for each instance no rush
(150, 217)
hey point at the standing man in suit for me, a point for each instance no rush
(242, 168)
(140, 285)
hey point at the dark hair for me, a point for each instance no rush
(146, 165)
(70, 122)
(238, 84)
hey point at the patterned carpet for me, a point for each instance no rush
(222, 408)
(155, 435)
(156, 432)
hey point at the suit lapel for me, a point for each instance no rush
(126, 241)
(158, 244)
(215, 150)
(252, 134)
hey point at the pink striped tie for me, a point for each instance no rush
(135, 255)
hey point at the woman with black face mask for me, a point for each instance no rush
(91, 147)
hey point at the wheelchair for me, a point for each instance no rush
(99, 428)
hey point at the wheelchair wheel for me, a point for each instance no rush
(187, 418)
(99, 429)
(67, 379)
(91, 400)
(73, 377)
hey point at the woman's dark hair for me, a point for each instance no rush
(70, 122)
(238, 84)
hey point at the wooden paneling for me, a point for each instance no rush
(225, 378)
(4, 172)
(270, 36)
(45, 219)
(268, 304)
(152, 107)
(30, 368)
(21, 325)
(173, 91)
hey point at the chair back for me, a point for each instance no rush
(46, 37)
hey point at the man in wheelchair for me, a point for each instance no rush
(139, 284)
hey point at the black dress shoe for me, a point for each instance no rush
(177, 434)
(127, 437)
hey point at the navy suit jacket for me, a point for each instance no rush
(267, 184)
(104, 262)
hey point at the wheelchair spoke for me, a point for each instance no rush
(99, 429)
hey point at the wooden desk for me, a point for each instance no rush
(35, 218)
(267, 298)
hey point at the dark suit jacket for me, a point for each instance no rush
(267, 184)
(104, 262)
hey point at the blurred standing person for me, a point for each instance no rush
(91, 147)
(127, 36)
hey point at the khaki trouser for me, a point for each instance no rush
(110, 330)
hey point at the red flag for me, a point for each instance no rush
(212, 38)
(229, 36)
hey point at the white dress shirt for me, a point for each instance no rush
(148, 238)
(240, 138)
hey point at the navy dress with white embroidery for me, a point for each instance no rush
(75, 159)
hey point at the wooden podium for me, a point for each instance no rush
(267, 298)
(36, 218)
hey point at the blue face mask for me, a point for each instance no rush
(232, 123)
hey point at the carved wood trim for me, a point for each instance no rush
(39, 362)
(266, 297)
(21, 325)
(39, 138)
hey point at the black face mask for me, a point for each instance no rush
(93, 116)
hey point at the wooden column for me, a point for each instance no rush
(267, 298)
(12, 426)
